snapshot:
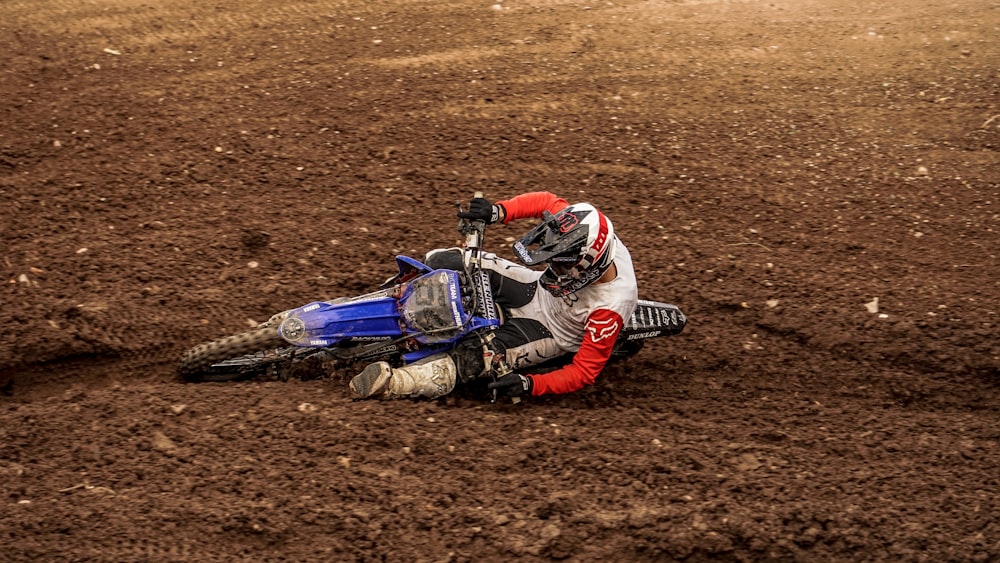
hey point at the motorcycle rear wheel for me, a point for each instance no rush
(233, 358)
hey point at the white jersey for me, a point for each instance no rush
(566, 317)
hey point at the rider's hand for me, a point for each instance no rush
(513, 385)
(480, 209)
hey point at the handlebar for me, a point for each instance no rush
(473, 231)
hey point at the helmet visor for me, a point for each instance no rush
(545, 242)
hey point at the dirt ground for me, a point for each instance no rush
(816, 183)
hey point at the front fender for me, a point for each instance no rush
(323, 323)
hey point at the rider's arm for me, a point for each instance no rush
(599, 338)
(531, 205)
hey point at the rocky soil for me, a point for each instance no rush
(814, 182)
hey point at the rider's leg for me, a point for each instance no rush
(514, 285)
(523, 341)
(447, 258)
(526, 342)
(431, 378)
(523, 337)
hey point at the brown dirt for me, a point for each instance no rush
(774, 166)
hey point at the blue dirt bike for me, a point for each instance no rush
(419, 312)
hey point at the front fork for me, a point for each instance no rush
(495, 365)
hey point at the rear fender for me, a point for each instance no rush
(652, 319)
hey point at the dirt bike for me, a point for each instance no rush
(419, 312)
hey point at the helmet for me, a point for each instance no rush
(577, 244)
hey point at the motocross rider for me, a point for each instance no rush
(588, 290)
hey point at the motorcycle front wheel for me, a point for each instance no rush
(237, 357)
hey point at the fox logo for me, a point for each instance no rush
(599, 330)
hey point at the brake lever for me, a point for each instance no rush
(496, 366)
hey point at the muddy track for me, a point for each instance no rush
(814, 183)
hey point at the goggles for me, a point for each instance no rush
(564, 265)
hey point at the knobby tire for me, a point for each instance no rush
(195, 363)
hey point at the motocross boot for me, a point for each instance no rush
(432, 377)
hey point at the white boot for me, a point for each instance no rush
(431, 377)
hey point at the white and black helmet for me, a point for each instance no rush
(577, 244)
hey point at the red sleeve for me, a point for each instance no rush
(531, 205)
(599, 338)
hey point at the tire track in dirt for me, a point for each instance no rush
(125, 25)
